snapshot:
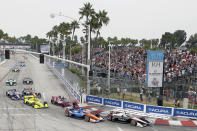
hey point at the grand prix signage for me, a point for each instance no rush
(94, 99)
(154, 74)
(111, 102)
(133, 106)
(159, 110)
(185, 113)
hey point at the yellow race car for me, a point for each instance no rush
(36, 103)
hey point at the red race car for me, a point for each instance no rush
(61, 101)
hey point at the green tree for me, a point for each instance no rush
(180, 37)
(1, 34)
(102, 19)
(168, 40)
(192, 40)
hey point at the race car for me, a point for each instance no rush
(30, 91)
(22, 64)
(126, 117)
(83, 114)
(10, 82)
(16, 70)
(38, 105)
(61, 101)
(73, 112)
(35, 103)
(14, 95)
(27, 81)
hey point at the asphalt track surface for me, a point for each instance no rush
(16, 116)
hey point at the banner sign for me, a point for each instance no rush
(112, 102)
(133, 106)
(44, 48)
(158, 110)
(154, 76)
(185, 113)
(94, 99)
(60, 64)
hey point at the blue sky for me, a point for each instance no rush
(128, 18)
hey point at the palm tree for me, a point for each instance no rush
(74, 25)
(102, 19)
(64, 30)
(53, 35)
(87, 11)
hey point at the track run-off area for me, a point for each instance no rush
(16, 116)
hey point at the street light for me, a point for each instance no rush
(88, 61)
(109, 66)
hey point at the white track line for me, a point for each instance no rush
(4, 108)
(195, 122)
(175, 123)
(22, 114)
(120, 129)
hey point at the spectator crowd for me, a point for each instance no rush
(131, 62)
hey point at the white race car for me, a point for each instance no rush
(126, 117)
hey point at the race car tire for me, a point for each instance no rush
(63, 105)
(52, 101)
(39, 95)
(66, 113)
(109, 117)
(33, 105)
(133, 122)
(7, 93)
(87, 118)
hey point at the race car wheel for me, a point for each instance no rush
(67, 113)
(87, 119)
(7, 94)
(133, 122)
(52, 101)
(39, 95)
(33, 105)
(109, 117)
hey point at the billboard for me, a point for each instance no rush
(154, 75)
(44, 48)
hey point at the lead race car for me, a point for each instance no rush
(126, 117)
(14, 95)
(93, 117)
(10, 82)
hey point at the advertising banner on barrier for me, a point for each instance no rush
(185, 113)
(133, 106)
(159, 110)
(111, 102)
(94, 99)
(154, 75)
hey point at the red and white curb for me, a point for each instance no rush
(174, 123)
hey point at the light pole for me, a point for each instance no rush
(109, 66)
(64, 46)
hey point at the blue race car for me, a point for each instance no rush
(93, 116)
(14, 95)
(23, 65)
(74, 112)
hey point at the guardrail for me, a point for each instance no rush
(58, 74)
(144, 109)
(68, 86)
